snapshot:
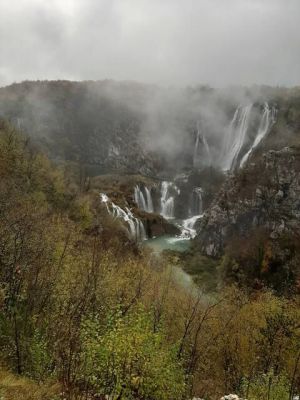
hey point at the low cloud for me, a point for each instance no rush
(170, 42)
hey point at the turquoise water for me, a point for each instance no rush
(168, 242)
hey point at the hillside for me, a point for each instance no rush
(88, 310)
(128, 127)
(255, 221)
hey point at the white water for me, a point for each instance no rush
(188, 230)
(188, 227)
(236, 135)
(234, 138)
(144, 203)
(150, 207)
(136, 228)
(167, 203)
(201, 137)
(267, 120)
(167, 210)
(139, 198)
(166, 200)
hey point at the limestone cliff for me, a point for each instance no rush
(264, 194)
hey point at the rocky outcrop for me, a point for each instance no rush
(265, 194)
(120, 190)
(156, 226)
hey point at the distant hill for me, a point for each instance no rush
(128, 127)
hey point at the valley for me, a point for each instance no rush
(149, 244)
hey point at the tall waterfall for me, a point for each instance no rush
(167, 199)
(267, 120)
(144, 203)
(234, 138)
(200, 138)
(136, 228)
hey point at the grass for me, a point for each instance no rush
(13, 387)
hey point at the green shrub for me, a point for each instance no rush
(130, 361)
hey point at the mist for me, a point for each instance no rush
(170, 42)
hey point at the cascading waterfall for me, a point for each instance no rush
(139, 198)
(136, 228)
(150, 207)
(200, 138)
(196, 212)
(167, 200)
(145, 204)
(188, 227)
(169, 191)
(268, 118)
(235, 137)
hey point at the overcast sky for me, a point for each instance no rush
(170, 42)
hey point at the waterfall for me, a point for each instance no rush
(167, 200)
(150, 207)
(195, 158)
(139, 198)
(206, 147)
(196, 212)
(145, 204)
(200, 137)
(196, 203)
(235, 137)
(136, 228)
(267, 120)
(188, 227)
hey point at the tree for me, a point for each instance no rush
(127, 360)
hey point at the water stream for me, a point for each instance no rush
(135, 227)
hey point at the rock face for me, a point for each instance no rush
(265, 194)
(156, 226)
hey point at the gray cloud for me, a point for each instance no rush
(171, 42)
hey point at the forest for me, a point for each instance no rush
(86, 313)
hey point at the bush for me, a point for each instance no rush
(267, 386)
(130, 361)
